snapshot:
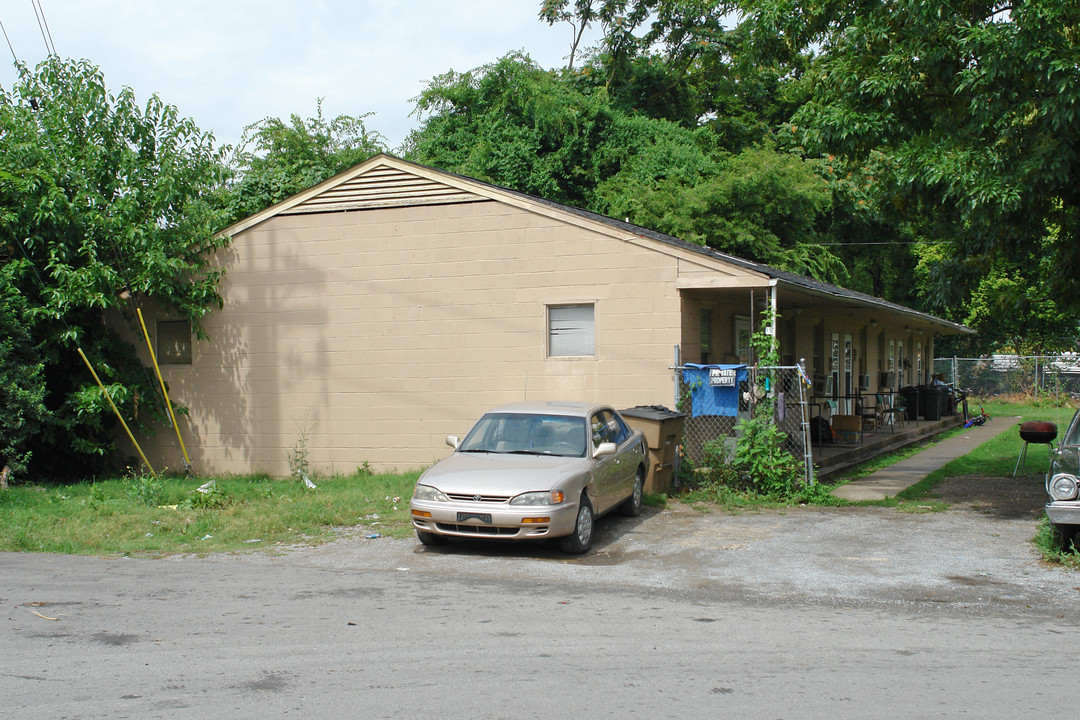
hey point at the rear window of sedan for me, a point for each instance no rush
(527, 434)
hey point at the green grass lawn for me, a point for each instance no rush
(997, 456)
(148, 517)
(144, 516)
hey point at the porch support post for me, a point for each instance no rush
(772, 329)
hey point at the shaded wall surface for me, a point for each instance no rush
(375, 333)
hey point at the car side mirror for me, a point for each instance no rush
(605, 448)
(453, 441)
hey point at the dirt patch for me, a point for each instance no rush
(1013, 498)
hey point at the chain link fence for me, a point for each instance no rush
(714, 411)
(1029, 376)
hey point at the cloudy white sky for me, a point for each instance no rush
(229, 63)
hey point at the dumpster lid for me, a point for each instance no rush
(651, 412)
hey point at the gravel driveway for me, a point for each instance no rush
(681, 613)
(975, 558)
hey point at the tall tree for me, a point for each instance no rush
(22, 382)
(965, 114)
(101, 199)
(514, 124)
(548, 134)
(277, 159)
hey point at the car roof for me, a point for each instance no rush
(552, 407)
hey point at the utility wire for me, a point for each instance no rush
(905, 242)
(10, 47)
(47, 29)
(43, 26)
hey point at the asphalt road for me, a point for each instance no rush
(808, 613)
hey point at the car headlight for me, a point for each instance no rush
(426, 492)
(1063, 487)
(553, 497)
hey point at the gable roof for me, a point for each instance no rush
(387, 181)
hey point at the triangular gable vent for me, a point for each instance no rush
(382, 186)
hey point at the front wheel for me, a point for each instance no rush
(579, 541)
(631, 507)
(430, 539)
(1068, 535)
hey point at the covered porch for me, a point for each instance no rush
(713, 414)
(863, 362)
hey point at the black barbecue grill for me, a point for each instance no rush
(1039, 432)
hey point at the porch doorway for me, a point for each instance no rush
(847, 405)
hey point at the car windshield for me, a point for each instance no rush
(1072, 436)
(527, 434)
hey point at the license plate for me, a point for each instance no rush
(482, 517)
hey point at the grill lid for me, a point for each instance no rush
(1038, 431)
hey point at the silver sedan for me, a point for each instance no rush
(531, 471)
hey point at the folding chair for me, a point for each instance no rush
(869, 415)
(891, 413)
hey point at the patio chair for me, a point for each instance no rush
(869, 415)
(891, 413)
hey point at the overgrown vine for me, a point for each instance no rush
(760, 456)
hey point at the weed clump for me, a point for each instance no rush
(212, 498)
(1055, 547)
(145, 489)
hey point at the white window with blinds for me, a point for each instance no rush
(571, 331)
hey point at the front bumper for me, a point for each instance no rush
(1062, 512)
(507, 522)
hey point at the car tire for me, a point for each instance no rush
(579, 541)
(430, 539)
(1068, 537)
(631, 506)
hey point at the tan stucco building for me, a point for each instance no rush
(392, 304)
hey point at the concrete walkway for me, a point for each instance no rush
(889, 481)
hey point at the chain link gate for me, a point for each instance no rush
(708, 421)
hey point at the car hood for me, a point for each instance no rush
(502, 474)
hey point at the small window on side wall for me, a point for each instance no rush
(571, 331)
(174, 342)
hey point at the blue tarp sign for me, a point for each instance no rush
(714, 389)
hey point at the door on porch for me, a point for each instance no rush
(840, 369)
(849, 389)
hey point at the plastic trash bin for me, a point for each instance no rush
(663, 429)
(936, 400)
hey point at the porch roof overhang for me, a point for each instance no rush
(808, 294)
(801, 292)
(803, 297)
